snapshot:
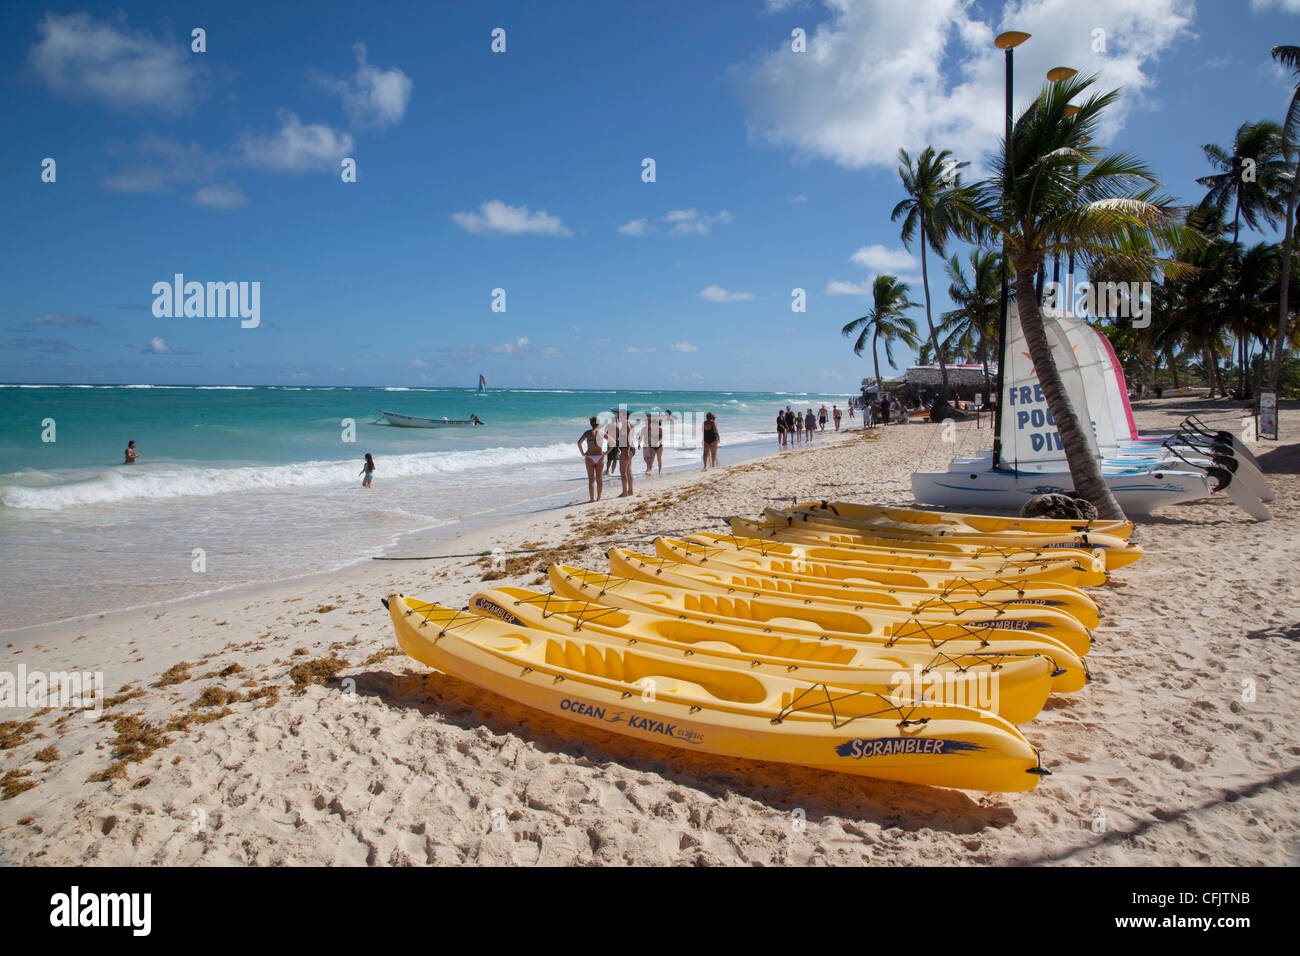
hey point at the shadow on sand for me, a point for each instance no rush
(783, 788)
(1163, 815)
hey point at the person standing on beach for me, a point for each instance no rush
(780, 428)
(798, 427)
(626, 444)
(821, 418)
(594, 457)
(652, 441)
(835, 410)
(711, 437)
(810, 424)
(884, 410)
(131, 453)
(367, 469)
(851, 404)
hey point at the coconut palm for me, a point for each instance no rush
(978, 311)
(1287, 56)
(1247, 180)
(885, 320)
(932, 183)
(1066, 195)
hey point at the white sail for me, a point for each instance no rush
(1030, 440)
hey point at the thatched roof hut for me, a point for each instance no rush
(961, 377)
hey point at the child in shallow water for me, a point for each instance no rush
(368, 469)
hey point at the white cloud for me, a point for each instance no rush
(684, 347)
(127, 69)
(634, 227)
(715, 293)
(879, 76)
(157, 163)
(692, 222)
(419, 363)
(220, 197)
(552, 352)
(799, 198)
(836, 287)
(296, 147)
(494, 216)
(158, 346)
(372, 97)
(880, 259)
(637, 349)
(1286, 6)
(518, 347)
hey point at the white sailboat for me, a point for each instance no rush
(1033, 461)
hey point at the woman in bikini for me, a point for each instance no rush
(652, 440)
(368, 469)
(780, 428)
(594, 456)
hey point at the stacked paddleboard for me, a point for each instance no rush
(890, 643)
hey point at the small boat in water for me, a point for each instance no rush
(411, 421)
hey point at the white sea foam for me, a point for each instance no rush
(148, 482)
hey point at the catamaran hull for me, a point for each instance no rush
(981, 488)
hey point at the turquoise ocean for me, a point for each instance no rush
(264, 482)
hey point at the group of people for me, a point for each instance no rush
(878, 412)
(794, 428)
(609, 447)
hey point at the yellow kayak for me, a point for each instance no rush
(922, 519)
(870, 591)
(1067, 567)
(1013, 688)
(696, 705)
(892, 625)
(1117, 552)
(840, 625)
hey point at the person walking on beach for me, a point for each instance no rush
(131, 453)
(711, 436)
(780, 428)
(852, 402)
(821, 418)
(594, 457)
(367, 469)
(884, 410)
(835, 410)
(798, 427)
(810, 424)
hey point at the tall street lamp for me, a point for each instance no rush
(1007, 42)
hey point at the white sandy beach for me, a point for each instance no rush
(1182, 751)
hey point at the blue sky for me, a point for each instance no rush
(522, 171)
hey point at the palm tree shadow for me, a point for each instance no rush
(781, 787)
(1285, 632)
(1166, 815)
(1284, 460)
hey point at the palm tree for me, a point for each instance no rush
(932, 184)
(1247, 179)
(886, 320)
(1287, 56)
(978, 311)
(1065, 195)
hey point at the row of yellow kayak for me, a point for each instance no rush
(888, 642)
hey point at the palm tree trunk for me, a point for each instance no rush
(1173, 366)
(1085, 470)
(925, 282)
(1288, 239)
(875, 356)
